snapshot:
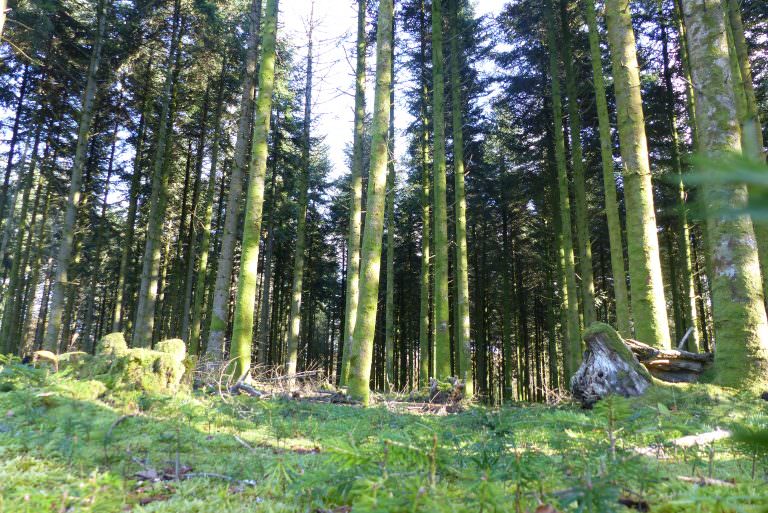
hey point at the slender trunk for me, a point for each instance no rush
(441, 306)
(221, 293)
(740, 320)
(583, 241)
(361, 349)
(389, 301)
(205, 225)
(355, 197)
(23, 88)
(426, 196)
(242, 330)
(133, 201)
(145, 310)
(572, 344)
(463, 333)
(618, 268)
(506, 313)
(648, 302)
(688, 303)
(294, 330)
(690, 99)
(3, 10)
(61, 281)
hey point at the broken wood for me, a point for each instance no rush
(672, 365)
(609, 367)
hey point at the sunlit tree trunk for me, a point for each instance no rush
(3, 9)
(206, 221)
(222, 285)
(61, 280)
(618, 268)
(741, 328)
(463, 340)
(648, 302)
(355, 198)
(389, 300)
(150, 273)
(572, 344)
(440, 294)
(361, 349)
(294, 322)
(583, 241)
(242, 330)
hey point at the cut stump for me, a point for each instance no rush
(609, 367)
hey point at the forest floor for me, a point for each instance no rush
(67, 445)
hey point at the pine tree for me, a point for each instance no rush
(242, 330)
(61, 282)
(648, 303)
(741, 327)
(355, 197)
(361, 349)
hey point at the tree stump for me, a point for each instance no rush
(609, 367)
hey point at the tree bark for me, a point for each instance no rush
(242, 330)
(648, 302)
(361, 349)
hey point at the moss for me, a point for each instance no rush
(174, 347)
(113, 343)
(616, 343)
(147, 370)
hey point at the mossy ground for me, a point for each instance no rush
(62, 449)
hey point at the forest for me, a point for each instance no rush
(341, 256)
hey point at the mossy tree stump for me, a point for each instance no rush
(609, 367)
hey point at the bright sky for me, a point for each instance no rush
(335, 33)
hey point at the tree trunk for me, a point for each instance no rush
(389, 301)
(741, 328)
(440, 298)
(145, 309)
(361, 349)
(648, 302)
(294, 330)
(221, 293)
(572, 344)
(583, 241)
(355, 197)
(242, 330)
(61, 281)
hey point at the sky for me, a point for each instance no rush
(333, 92)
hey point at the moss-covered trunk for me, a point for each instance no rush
(242, 329)
(64, 255)
(463, 333)
(294, 321)
(618, 268)
(355, 197)
(222, 285)
(151, 281)
(583, 241)
(572, 343)
(741, 328)
(648, 303)
(361, 349)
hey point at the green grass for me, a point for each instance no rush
(62, 449)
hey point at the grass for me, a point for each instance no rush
(69, 445)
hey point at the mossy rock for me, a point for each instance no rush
(112, 344)
(76, 360)
(84, 390)
(146, 370)
(174, 347)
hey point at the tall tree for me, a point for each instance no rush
(440, 207)
(618, 268)
(572, 342)
(741, 327)
(222, 286)
(150, 272)
(355, 197)
(583, 240)
(648, 302)
(389, 299)
(61, 282)
(302, 184)
(242, 330)
(463, 341)
(361, 349)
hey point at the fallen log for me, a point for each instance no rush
(671, 365)
(609, 367)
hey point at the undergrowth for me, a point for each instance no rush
(69, 445)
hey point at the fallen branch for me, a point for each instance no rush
(705, 481)
(213, 475)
